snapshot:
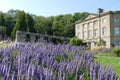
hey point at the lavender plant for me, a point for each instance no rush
(26, 61)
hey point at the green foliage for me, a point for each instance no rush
(116, 52)
(75, 41)
(57, 40)
(2, 19)
(78, 16)
(24, 23)
(30, 23)
(44, 25)
(2, 24)
(59, 58)
(10, 23)
(10, 20)
(63, 25)
(57, 25)
(100, 42)
(56, 75)
(109, 61)
(2, 29)
(20, 23)
(70, 76)
(60, 25)
(15, 53)
(13, 13)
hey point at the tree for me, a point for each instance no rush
(2, 29)
(30, 23)
(56, 25)
(13, 13)
(49, 25)
(2, 19)
(44, 25)
(40, 23)
(60, 25)
(2, 24)
(78, 16)
(10, 23)
(65, 25)
(20, 24)
(10, 18)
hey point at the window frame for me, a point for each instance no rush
(117, 30)
(79, 35)
(78, 27)
(104, 30)
(85, 26)
(96, 33)
(84, 35)
(117, 43)
(103, 20)
(90, 24)
(116, 19)
(95, 22)
(90, 34)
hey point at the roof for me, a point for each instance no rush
(96, 16)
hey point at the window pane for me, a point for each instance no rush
(85, 35)
(90, 24)
(84, 26)
(78, 35)
(116, 19)
(117, 30)
(117, 43)
(78, 27)
(90, 34)
(104, 30)
(103, 20)
(96, 32)
(95, 23)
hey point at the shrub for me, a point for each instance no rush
(116, 52)
(75, 41)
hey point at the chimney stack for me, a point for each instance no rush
(100, 10)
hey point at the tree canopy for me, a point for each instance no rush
(30, 23)
(2, 19)
(59, 25)
(24, 22)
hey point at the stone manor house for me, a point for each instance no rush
(104, 25)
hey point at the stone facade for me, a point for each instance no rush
(22, 36)
(104, 24)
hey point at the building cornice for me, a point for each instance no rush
(97, 16)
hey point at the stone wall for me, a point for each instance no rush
(22, 36)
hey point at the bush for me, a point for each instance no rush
(75, 41)
(116, 52)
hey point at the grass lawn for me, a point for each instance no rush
(110, 61)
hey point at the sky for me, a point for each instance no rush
(56, 7)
